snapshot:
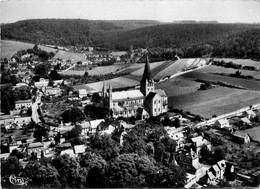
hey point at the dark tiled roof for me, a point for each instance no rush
(150, 96)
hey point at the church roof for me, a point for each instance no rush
(133, 94)
(151, 95)
(147, 71)
(160, 92)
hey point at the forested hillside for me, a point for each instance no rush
(192, 40)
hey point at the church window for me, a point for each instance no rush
(155, 102)
(154, 109)
(158, 109)
(159, 101)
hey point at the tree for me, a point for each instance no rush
(133, 142)
(42, 174)
(96, 98)
(123, 172)
(69, 171)
(17, 154)
(177, 123)
(54, 75)
(75, 132)
(218, 154)
(171, 176)
(86, 74)
(90, 160)
(204, 151)
(41, 70)
(105, 146)
(73, 115)
(10, 166)
(96, 178)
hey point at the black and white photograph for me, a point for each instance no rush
(130, 94)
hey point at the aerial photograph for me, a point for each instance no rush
(130, 94)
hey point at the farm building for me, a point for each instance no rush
(243, 137)
(126, 103)
(249, 114)
(222, 123)
(82, 93)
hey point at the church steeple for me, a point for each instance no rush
(147, 83)
(147, 71)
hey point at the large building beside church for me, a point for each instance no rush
(140, 103)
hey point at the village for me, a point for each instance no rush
(54, 120)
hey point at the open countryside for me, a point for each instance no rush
(246, 83)
(215, 101)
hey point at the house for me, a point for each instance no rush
(108, 131)
(141, 114)
(36, 147)
(197, 143)
(83, 93)
(52, 91)
(250, 114)
(42, 83)
(188, 159)
(222, 123)
(80, 149)
(215, 173)
(245, 121)
(22, 103)
(94, 124)
(241, 136)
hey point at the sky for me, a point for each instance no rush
(224, 11)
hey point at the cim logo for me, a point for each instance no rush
(18, 180)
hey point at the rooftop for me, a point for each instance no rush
(132, 94)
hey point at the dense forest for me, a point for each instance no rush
(191, 40)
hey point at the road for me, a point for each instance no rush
(231, 114)
(68, 68)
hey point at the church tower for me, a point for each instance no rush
(147, 83)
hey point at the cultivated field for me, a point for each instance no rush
(217, 101)
(246, 83)
(74, 57)
(140, 71)
(95, 70)
(178, 66)
(9, 48)
(115, 83)
(218, 69)
(243, 62)
(178, 86)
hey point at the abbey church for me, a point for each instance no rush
(142, 103)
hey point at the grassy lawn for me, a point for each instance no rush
(74, 57)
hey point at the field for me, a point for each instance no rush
(254, 133)
(218, 69)
(140, 71)
(217, 101)
(74, 57)
(246, 83)
(9, 48)
(115, 83)
(178, 86)
(243, 62)
(178, 66)
(95, 71)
